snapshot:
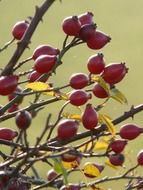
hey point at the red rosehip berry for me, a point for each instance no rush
(23, 119)
(118, 145)
(98, 41)
(79, 97)
(67, 128)
(8, 84)
(117, 159)
(89, 117)
(99, 91)
(7, 134)
(114, 72)
(45, 50)
(45, 63)
(130, 131)
(14, 94)
(140, 157)
(19, 29)
(86, 18)
(13, 108)
(34, 77)
(51, 174)
(96, 63)
(79, 80)
(71, 26)
(71, 187)
(87, 32)
(68, 157)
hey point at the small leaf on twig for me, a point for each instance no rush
(72, 116)
(38, 86)
(118, 96)
(104, 119)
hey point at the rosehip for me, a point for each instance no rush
(87, 32)
(96, 63)
(19, 29)
(71, 26)
(130, 131)
(79, 97)
(45, 50)
(86, 18)
(34, 77)
(98, 41)
(118, 145)
(70, 187)
(14, 94)
(23, 119)
(99, 91)
(51, 174)
(79, 80)
(117, 159)
(7, 134)
(67, 128)
(140, 158)
(89, 117)
(68, 157)
(114, 72)
(45, 63)
(13, 108)
(8, 84)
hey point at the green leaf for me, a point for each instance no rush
(59, 168)
(118, 96)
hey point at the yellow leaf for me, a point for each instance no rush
(95, 78)
(108, 122)
(108, 163)
(70, 165)
(72, 116)
(91, 170)
(103, 84)
(118, 96)
(50, 93)
(61, 95)
(101, 145)
(38, 86)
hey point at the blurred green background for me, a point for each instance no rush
(122, 20)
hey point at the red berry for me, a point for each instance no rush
(79, 97)
(86, 18)
(7, 134)
(87, 32)
(45, 50)
(114, 72)
(68, 157)
(89, 117)
(19, 29)
(67, 128)
(98, 41)
(8, 84)
(71, 26)
(34, 77)
(96, 63)
(79, 80)
(70, 187)
(118, 145)
(130, 131)
(117, 159)
(140, 158)
(99, 91)
(13, 108)
(51, 174)
(45, 63)
(23, 119)
(14, 94)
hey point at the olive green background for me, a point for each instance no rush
(122, 20)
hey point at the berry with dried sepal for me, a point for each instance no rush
(7, 134)
(79, 80)
(117, 159)
(118, 145)
(86, 18)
